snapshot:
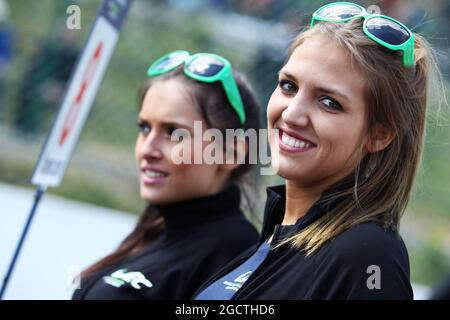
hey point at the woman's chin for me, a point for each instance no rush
(153, 197)
(291, 171)
(299, 178)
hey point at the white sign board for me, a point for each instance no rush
(80, 94)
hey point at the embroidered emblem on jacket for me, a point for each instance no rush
(134, 278)
(238, 282)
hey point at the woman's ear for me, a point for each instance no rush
(235, 154)
(379, 139)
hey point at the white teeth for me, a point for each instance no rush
(285, 138)
(293, 142)
(153, 174)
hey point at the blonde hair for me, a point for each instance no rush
(396, 98)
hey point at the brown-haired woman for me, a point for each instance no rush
(350, 117)
(193, 224)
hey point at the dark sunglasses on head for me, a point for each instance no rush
(203, 67)
(384, 30)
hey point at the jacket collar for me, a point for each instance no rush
(276, 205)
(192, 212)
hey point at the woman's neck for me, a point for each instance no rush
(299, 199)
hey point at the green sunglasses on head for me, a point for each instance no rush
(203, 67)
(384, 30)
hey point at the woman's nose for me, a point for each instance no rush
(151, 146)
(297, 112)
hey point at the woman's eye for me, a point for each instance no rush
(170, 130)
(287, 86)
(144, 128)
(331, 104)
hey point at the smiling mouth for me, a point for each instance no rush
(293, 144)
(151, 176)
(155, 174)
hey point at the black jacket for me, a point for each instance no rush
(200, 237)
(343, 268)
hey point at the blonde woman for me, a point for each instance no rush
(349, 110)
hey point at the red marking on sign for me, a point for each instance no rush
(75, 107)
(81, 93)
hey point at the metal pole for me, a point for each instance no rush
(39, 192)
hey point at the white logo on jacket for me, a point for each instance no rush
(134, 278)
(238, 282)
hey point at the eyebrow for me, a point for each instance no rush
(321, 88)
(170, 123)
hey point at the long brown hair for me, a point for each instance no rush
(218, 113)
(396, 98)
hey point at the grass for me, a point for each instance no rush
(97, 174)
